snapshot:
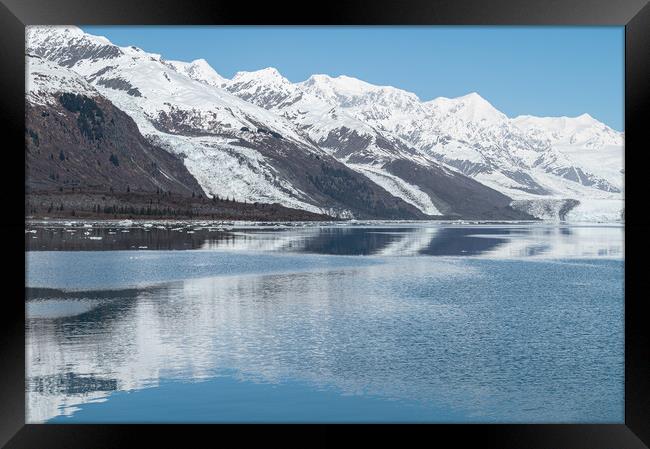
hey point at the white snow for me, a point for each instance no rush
(398, 187)
(44, 78)
(199, 70)
(465, 134)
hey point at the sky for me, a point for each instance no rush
(542, 71)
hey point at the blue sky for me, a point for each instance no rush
(545, 71)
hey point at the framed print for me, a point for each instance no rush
(286, 225)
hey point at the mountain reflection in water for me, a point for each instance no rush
(414, 239)
(504, 324)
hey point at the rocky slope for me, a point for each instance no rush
(233, 148)
(391, 162)
(575, 160)
(76, 138)
(345, 147)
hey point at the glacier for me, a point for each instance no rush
(221, 126)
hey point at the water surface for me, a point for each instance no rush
(388, 322)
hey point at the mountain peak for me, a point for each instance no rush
(54, 43)
(475, 99)
(340, 81)
(318, 77)
(470, 107)
(58, 35)
(202, 66)
(198, 70)
(585, 118)
(265, 72)
(270, 71)
(202, 63)
(342, 86)
(265, 75)
(471, 96)
(557, 123)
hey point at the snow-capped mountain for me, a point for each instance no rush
(46, 79)
(233, 148)
(584, 130)
(75, 136)
(346, 147)
(174, 111)
(198, 70)
(320, 108)
(584, 150)
(347, 138)
(531, 158)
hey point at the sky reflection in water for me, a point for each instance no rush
(273, 325)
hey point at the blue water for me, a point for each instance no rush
(83, 270)
(224, 399)
(255, 333)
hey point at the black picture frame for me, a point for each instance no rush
(16, 14)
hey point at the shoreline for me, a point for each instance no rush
(203, 221)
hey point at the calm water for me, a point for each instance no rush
(393, 322)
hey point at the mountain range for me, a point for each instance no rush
(329, 145)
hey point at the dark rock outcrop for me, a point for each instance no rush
(457, 195)
(330, 184)
(88, 143)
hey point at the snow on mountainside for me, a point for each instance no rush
(352, 141)
(322, 115)
(45, 78)
(584, 130)
(530, 158)
(148, 86)
(233, 147)
(97, 146)
(177, 113)
(198, 70)
(260, 137)
(587, 152)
